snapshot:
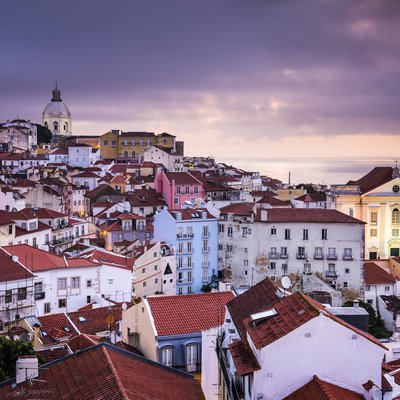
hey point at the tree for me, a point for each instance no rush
(206, 288)
(9, 353)
(44, 135)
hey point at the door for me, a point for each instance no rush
(191, 358)
(166, 356)
(394, 252)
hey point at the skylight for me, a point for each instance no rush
(81, 319)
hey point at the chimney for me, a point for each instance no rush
(263, 215)
(356, 303)
(27, 368)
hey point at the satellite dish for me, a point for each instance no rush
(285, 281)
(124, 306)
(15, 338)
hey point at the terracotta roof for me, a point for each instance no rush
(375, 275)
(86, 174)
(95, 319)
(245, 209)
(191, 213)
(392, 303)
(40, 260)
(59, 151)
(374, 178)
(104, 257)
(258, 298)
(52, 353)
(291, 312)
(182, 178)
(11, 270)
(243, 357)
(22, 232)
(312, 197)
(318, 389)
(307, 215)
(53, 328)
(273, 201)
(191, 313)
(43, 213)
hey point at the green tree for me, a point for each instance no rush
(206, 288)
(43, 134)
(9, 353)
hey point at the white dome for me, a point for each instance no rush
(56, 109)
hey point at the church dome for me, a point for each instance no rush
(56, 109)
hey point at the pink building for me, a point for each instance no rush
(178, 188)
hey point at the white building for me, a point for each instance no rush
(18, 135)
(275, 346)
(56, 115)
(255, 243)
(80, 155)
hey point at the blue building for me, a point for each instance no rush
(194, 235)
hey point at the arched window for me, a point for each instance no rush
(126, 154)
(66, 127)
(55, 126)
(133, 154)
(396, 216)
(167, 355)
(46, 124)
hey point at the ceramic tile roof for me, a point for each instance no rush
(30, 213)
(86, 174)
(40, 260)
(273, 201)
(258, 298)
(191, 313)
(375, 275)
(191, 213)
(245, 209)
(11, 270)
(54, 327)
(312, 197)
(292, 312)
(52, 353)
(182, 178)
(243, 357)
(318, 389)
(374, 178)
(41, 227)
(104, 257)
(392, 303)
(307, 215)
(95, 319)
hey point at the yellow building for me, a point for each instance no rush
(109, 145)
(374, 199)
(93, 141)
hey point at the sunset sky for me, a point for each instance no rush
(310, 86)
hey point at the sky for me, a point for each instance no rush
(308, 86)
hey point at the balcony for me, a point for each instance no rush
(274, 256)
(318, 256)
(206, 235)
(331, 274)
(301, 256)
(185, 235)
(205, 264)
(284, 256)
(57, 242)
(206, 249)
(40, 295)
(331, 256)
(348, 257)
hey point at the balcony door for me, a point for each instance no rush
(191, 358)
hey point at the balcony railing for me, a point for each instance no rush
(348, 257)
(185, 235)
(40, 295)
(331, 274)
(284, 256)
(301, 256)
(233, 392)
(57, 242)
(205, 264)
(206, 249)
(318, 256)
(274, 255)
(331, 256)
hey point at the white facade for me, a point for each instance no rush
(170, 161)
(251, 249)
(79, 156)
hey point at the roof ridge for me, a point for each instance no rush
(115, 373)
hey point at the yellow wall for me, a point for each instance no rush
(108, 151)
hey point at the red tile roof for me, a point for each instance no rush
(191, 313)
(258, 298)
(292, 312)
(244, 209)
(307, 215)
(312, 197)
(375, 275)
(86, 174)
(182, 178)
(318, 389)
(53, 327)
(39, 260)
(104, 257)
(11, 270)
(243, 357)
(374, 178)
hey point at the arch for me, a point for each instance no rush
(133, 154)
(66, 126)
(395, 216)
(126, 154)
(55, 126)
(46, 124)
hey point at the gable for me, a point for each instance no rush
(385, 189)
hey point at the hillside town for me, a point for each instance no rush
(131, 270)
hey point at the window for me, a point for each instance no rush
(32, 226)
(10, 229)
(189, 276)
(176, 200)
(75, 283)
(155, 268)
(187, 189)
(46, 308)
(301, 252)
(367, 288)
(373, 232)
(324, 235)
(287, 234)
(205, 274)
(8, 296)
(273, 265)
(196, 189)
(62, 283)
(246, 262)
(189, 262)
(347, 270)
(178, 190)
(305, 234)
(180, 262)
(244, 232)
(348, 254)
(180, 290)
(156, 280)
(220, 247)
(396, 216)
(205, 246)
(221, 228)
(284, 252)
(110, 281)
(373, 217)
(180, 277)
(143, 270)
(273, 231)
(113, 143)
(189, 247)
(387, 288)
(180, 247)
(166, 356)
(88, 299)
(205, 231)
(144, 284)
(62, 303)
(345, 285)
(230, 231)
(395, 232)
(22, 292)
(189, 290)
(34, 242)
(191, 358)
